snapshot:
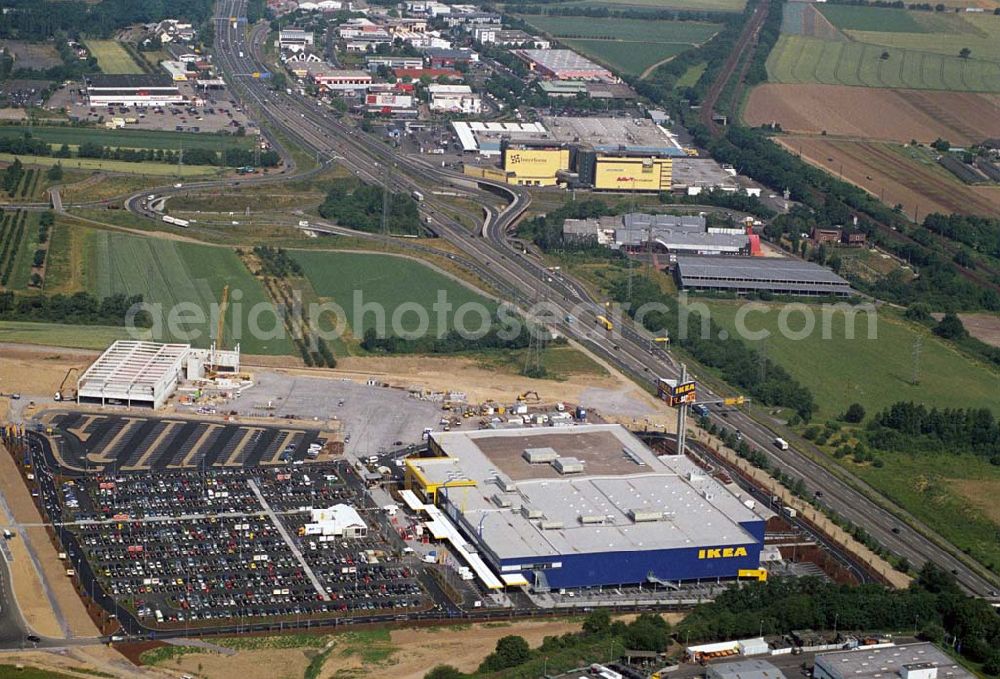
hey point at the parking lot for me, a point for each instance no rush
(373, 418)
(194, 548)
(215, 112)
(96, 442)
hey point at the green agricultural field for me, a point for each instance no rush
(170, 273)
(133, 139)
(389, 282)
(799, 59)
(112, 57)
(875, 373)
(150, 169)
(656, 5)
(692, 75)
(861, 18)
(631, 58)
(626, 45)
(59, 335)
(21, 274)
(894, 48)
(953, 494)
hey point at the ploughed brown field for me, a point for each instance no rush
(886, 173)
(877, 114)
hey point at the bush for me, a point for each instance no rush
(855, 413)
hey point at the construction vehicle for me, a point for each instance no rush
(64, 394)
(533, 394)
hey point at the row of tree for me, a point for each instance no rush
(909, 426)
(80, 308)
(496, 338)
(39, 20)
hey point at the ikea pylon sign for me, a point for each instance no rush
(722, 553)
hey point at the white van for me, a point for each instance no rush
(781, 443)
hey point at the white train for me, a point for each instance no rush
(175, 221)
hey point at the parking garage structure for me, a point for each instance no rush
(586, 507)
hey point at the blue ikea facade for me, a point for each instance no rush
(708, 561)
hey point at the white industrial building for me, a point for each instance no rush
(294, 39)
(132, 90)
(909, 661)
(145, 374)
(339, 520)
(454, 99)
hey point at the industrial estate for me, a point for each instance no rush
(366, 338)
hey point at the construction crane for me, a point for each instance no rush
(220, 327)
(64, 394)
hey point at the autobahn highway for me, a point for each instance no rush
(524, 281)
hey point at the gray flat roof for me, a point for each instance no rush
(755, 668)
(561, 60)
(611, 134)
(590, 509)
(863, 663)
(763, 273)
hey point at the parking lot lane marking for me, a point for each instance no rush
(288, 540)
(284, 441)
(79, 429)
(55, 445)
(143, 462)
(186, 462)
(248, 433)
(101, 457)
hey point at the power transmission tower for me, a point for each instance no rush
(918, 342)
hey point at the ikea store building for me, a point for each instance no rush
(586, 506)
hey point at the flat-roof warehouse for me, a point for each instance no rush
(909, 661)
(586, 506)
(563, 64)
(783, 276)
(134, 373)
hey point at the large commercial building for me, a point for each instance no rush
(779, 276)
(616, 154)
(586, 506)
(486, 138)
(132, 90)
(673, 234)
(562, 64)
(910, 661)
(145, 374)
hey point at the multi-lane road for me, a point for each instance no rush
(525, 281)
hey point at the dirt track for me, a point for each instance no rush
(876, 114)
(894, 178)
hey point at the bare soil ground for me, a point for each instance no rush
(611, 396)
(894, 178)
(31, 597)
(984, 327)
(877, 114)
(981, 494)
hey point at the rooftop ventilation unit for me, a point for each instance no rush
(592, 519)
(540, 455)
(500, 501)
(550, 525)
(530, 513)
(640, 516)
(568, 465)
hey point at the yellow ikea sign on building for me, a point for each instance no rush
(722, 553)
(633, 174)
(535, 167)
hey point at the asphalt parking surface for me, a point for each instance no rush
(93, 442)
(374, 417)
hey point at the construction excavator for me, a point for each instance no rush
(64, 394)
(529, 396)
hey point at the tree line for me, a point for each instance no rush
(228, 157)
(739, 365)
(38, 20)
(80, 308)
(908, 426)
(451, 343)
(359, 206)
(934, 607)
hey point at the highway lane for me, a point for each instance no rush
(527, 280)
